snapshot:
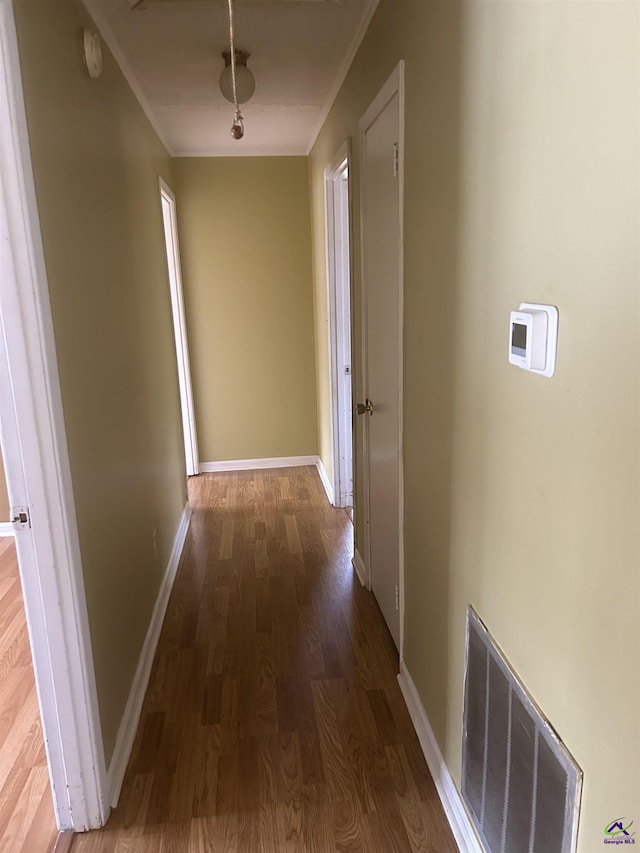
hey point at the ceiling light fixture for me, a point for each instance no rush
(242, 81)
(245, 81)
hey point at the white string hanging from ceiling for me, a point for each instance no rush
(237, 128)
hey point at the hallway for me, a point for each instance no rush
(273, 719)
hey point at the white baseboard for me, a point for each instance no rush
(322, 471)
(257, 464)
(6, 528)
(131, 716)
(457, 815)
(359, 566)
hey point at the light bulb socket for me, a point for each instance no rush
(242, 57)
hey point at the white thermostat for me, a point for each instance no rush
(533, 338)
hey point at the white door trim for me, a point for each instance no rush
(39, 478)
(337, 342)
(180, 332)
(393, 86)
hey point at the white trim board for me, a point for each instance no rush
(6, 528)
(245, 151)
(174, 276)
(131, 716)
(360, 569)
(257, 464)
(324, 479)
(454, 808)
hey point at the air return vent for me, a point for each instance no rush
(518, 779)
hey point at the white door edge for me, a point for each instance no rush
(394, 85)
(337, 342)
(39, 478)
(174, 272)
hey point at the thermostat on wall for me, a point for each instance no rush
(533, 337)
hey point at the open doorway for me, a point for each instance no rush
(336, 178)
(170, 222)
(42, 510)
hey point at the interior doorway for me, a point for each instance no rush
(381, 159)
(170, 221)
(40, 493)
(338, 229)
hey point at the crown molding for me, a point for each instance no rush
(247, 152)
(107, 34)
(343, 71)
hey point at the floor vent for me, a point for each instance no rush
(519, 781)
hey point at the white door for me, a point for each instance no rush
(382, 255)
(343, 305)
(339, 306)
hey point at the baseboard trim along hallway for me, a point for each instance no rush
(324, 479)
(452, 803)
(257, 464)
(131, 716)
(359, 567)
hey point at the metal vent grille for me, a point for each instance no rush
(519, 781)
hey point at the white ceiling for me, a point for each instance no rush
(170, 52)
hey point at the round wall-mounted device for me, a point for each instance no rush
(92, 52)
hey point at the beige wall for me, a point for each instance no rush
(245, 242)
(4, 496)
(96, 163)
(522, 178)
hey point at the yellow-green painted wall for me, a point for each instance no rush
(96, 162)
(245, 241)
(521, 493)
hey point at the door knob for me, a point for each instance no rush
(365, 408)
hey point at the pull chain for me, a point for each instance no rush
(237, 128)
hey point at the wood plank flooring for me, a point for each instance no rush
(273, 719)
(27, 821)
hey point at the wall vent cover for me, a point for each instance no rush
(519, 781)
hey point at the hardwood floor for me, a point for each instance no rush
(273, 719)
(27, 821)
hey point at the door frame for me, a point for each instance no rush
(394, 85)
(338, 292)
(39, 477)
(174, 272)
